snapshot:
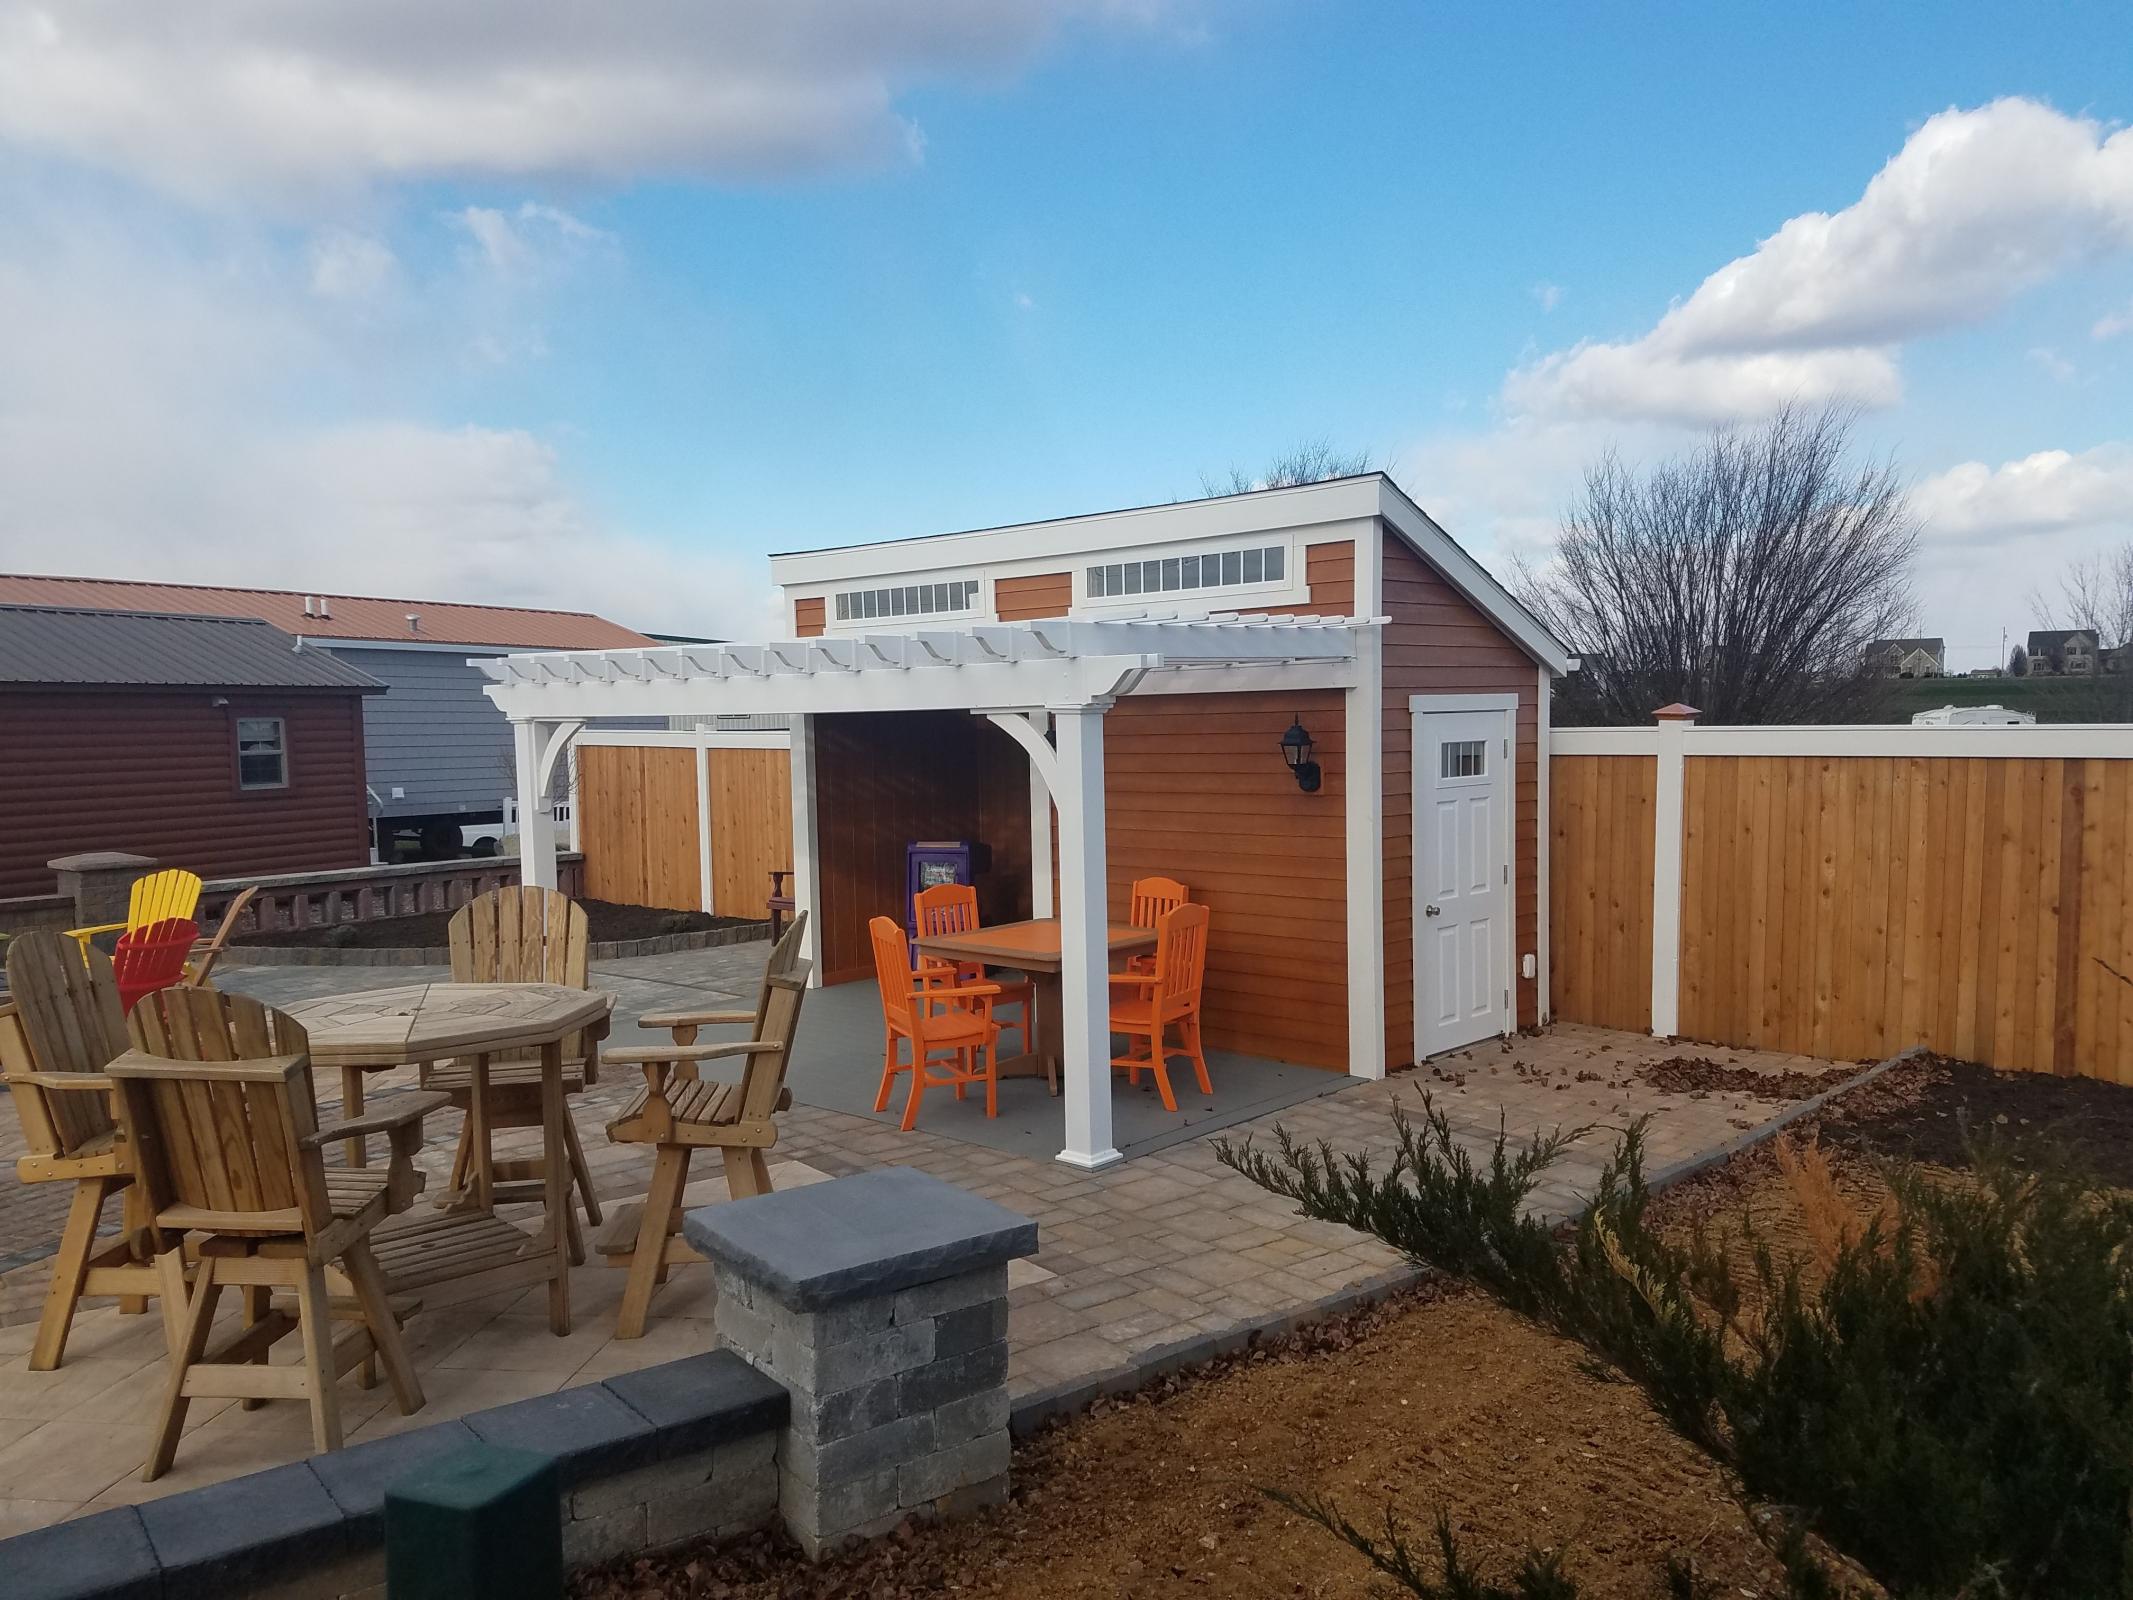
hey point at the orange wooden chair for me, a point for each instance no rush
(1151, 898)
(948, 908)
(1146, 1005)
(932, 1019)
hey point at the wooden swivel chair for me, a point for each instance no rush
(680, 1112)
(218, 1098)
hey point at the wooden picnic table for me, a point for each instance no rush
(463, 1249)
(1033, 947)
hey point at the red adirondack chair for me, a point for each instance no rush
(152, 958)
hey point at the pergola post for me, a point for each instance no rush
(1085, 968)
(1040, 832)
(537, 743)
(536, 829)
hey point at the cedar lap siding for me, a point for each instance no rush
(1438, 643)
(153, 770)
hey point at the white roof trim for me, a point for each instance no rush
(985, 666)
(1419, 531)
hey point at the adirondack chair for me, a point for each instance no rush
(152, 957)
(219, 1098)
(1145, 1006)
(1151, 897)
(679, 1112)
(60, 1028)
(932, 1020)
(201, 965)
(947, 908)
(158, 896)
(520, 934)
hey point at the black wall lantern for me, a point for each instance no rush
(1296, 751)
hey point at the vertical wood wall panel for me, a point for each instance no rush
(1851, 907)
(637, 825)
(1600, 889)
(751, 827)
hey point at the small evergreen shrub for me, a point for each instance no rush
(1944, 1394)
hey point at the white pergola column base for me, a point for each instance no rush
(1084, 945)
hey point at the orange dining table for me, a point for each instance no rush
(1033, 947)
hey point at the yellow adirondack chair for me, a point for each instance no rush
(158, 897)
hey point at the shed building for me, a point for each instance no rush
(1116, 688)
(212, 743)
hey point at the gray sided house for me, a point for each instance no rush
(437, 753)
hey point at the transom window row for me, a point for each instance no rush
(1227, 569)
(911, 600)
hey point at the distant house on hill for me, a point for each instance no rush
(1908, 658)
(2063, 653)
(212, 743)
(438, 752)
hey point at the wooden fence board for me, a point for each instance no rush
(1853, 906)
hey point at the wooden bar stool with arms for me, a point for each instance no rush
(518, 934)
(218, 1098)
(61, 1026)
(952, 908)
(1145, 1006)
(680, 1112)
(932, 1019)
(1152, 897)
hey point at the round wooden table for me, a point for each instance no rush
(464, 1249)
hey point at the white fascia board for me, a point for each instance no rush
(1470, 578)
(1041, 546)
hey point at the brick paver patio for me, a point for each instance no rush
(1161, 1249)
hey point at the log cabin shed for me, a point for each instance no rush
(1100, 698)
(210, 743)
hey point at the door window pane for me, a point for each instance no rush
(1463, 758)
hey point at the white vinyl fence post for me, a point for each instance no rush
(1674, 724)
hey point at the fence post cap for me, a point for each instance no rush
(1677, 712)
(102, 861)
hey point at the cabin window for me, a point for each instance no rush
(1225, 569)
(262, 753)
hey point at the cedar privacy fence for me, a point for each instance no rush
(691, 821)
(1848, 892)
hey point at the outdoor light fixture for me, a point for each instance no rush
(1296, 751)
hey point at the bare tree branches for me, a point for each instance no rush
(1746, 579)
(1313, 461)
(2095, 595)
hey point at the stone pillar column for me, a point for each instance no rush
(101, 882)
(880, 1303)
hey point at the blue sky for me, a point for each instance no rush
(323, 298)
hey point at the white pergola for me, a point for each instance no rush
(1047, 684)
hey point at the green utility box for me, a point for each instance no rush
(484, 1524)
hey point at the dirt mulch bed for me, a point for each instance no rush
(1700, 1075)
(428, 930)
(1437, 1400)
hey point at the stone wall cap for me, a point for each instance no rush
(853, 1238)
(101, 861)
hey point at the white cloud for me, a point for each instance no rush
(2089, 493)
(346, 265)
(2048, 361)
(226, 99)
(1550, 295)
(1978, 206)
(519, 242)
(147, 430)
(2111, 326)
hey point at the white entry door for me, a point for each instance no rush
(1462, 875)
